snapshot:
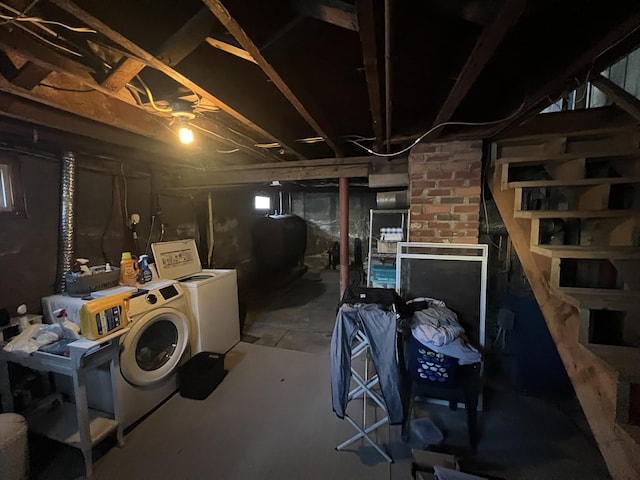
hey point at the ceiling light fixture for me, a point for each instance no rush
(184, 113)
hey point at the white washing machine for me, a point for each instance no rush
(157, 341)
(150, 352)
(213, 295)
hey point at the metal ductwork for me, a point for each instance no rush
(66, 230)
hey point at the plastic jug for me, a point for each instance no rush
(128, 270)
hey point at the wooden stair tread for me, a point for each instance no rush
(578, 182)
(624, 360)
(575, 213)
(580, 251)
(560, 157)
(632, 430)
(599, 298)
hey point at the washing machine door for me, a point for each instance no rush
(153, 347)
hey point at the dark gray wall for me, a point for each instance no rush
(28, 246)
(321, 210)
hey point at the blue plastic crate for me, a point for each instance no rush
(383, 273)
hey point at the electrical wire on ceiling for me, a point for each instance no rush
(20, 14)
(150, 97)
(47, 22)
(435, 127)
(53, 87)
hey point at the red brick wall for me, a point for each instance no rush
(445, 191)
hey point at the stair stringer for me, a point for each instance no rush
(594, 381)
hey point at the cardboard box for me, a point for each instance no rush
(422, 466)
(387, 247)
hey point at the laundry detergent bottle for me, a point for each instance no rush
(128, 270)
(145, 272)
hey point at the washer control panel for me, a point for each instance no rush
(145, 300)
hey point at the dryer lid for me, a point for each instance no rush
(177, 259)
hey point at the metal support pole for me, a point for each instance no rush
(344, 234)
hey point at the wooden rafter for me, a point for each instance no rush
(286, 171)
(118, 102)
(231, 49)
(486, 45)
(175, 49)
(321, 127)
(187, 38)
(144, 56)
(335, 12)
(122, 74)
(618, 41)
(30, 75)
(619, 95)
(368, 40)
(23, 109)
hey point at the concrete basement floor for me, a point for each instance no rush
(523, 437)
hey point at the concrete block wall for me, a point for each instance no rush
(445, 186)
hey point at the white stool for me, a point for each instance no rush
(13, 447)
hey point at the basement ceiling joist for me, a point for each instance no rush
(289, 80)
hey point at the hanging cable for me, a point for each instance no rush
(20, 14)
(53, 87)
(38, 20)
(150, 96)
(443, 124)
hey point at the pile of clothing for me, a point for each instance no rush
(437, 327)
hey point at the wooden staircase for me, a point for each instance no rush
(571, 205)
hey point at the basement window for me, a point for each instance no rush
(11, 200)
(262, 202)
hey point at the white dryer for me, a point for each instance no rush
(213, 295)
(150, 352)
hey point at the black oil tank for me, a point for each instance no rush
(279, 242)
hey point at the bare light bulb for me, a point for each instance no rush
(186, 135)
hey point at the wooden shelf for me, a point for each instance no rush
(579, 182)
(60, 423)
(586, 252)
(598, 298)
(575, 213)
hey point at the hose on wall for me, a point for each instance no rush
(66, 229)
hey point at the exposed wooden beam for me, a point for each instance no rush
(187, 38)
(144, 56)
(619, 95)
(17, 132)
(286, 171)
(231, 49)
(30, 75)
(47, 59)
(95, 106)
(321, 127)
(619, 40)
(22, 109)
(175, 49)
(335, 12)
(122, 74)
(486, 45)
(369, 42)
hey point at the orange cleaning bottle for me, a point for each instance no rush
(128, 270)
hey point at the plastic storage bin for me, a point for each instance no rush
(79, 286)
(199, 376)
(429, 367)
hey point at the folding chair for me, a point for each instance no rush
(367, 312)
